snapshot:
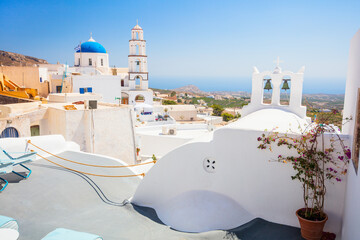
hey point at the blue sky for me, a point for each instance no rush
(212, 44)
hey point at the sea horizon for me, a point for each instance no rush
(311, 85)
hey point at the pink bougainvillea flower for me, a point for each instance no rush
(348, 153)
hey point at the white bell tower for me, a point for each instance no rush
(276, 79)
(137, 60)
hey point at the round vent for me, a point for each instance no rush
(209, 165)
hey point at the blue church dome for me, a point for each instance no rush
(92, 47)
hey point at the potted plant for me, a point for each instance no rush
(314, 162)
(137, 151)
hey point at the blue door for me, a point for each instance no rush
(9, 132)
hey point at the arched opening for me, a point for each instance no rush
(268, 90)
(122, 82)
(124, 98)
(138, 82)
(285, 90)
(139, 98)
(137, 65)
(137, 35)
(9, 132)
(137, 49)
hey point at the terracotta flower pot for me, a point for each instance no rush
(311, 230)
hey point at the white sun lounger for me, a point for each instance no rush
(8, 222)
(7, 163)
(62, 233)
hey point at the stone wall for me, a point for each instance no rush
(10, 100)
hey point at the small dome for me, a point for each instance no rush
(92, 46)
(272, 118)
(277, 70)
(137, 27)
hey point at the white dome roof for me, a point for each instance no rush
(91, 39)
(269, 119)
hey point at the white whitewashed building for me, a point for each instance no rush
(92, 72)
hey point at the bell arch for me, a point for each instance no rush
(138, 81)
(285, 90)
(267, 90)
(138, 65)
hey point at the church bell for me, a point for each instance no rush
(138, 63)
(268, 85)
(285, 85)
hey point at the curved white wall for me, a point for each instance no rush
(151, 140)
(244, 185)
(351, 229)
(51, 143)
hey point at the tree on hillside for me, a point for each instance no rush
(172, 94)
(217, 109)
(227, 116)
(169, 102)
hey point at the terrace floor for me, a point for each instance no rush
(54, 197)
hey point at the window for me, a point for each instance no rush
(102, 62)
(122, 83)
(9, 132)
(78, 61)
(356, 137)
(90, 62)
(85, 90)
(35, 130)
(40, 79)
(58, 89)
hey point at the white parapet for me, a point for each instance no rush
(276, 78)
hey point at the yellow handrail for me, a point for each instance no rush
(90, 165)
(92, 174)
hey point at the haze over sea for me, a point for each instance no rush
(311, 86)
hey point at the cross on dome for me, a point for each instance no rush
(137, 27)
(277, 68)
(91, 39)
(277, 61)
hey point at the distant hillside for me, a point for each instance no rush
(161, 91)
(190, 89)
(15, 59)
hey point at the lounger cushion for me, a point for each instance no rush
(6, 168)
(8, 222)
(62, 233)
